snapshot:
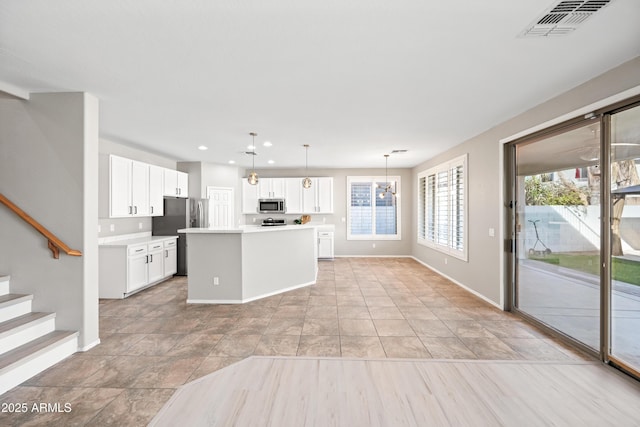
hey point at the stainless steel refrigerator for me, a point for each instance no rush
(178, 214)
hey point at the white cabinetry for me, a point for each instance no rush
(249, 198)
(156, 190)
(271, 188)
(325, 244)
(318, 198)
(293, 195)
(128, 188)
(176, 183)
(126, 268)
(137, 272)
(155, 262)
(170, 257)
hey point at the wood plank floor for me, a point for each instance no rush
(287, 391)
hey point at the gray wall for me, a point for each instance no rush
(344, 247)
(128, 225)
(482, 272)
(49, 167)
(203, 175)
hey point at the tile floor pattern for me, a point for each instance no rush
(153, 342)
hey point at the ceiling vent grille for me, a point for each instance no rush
(563, 18)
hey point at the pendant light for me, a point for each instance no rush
(386, 180)
(306, 182)
(253, 176)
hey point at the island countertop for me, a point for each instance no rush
(247, 229)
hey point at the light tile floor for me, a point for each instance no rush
(153, 342)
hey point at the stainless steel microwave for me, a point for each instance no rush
(268, 206)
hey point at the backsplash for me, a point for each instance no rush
(123, 226)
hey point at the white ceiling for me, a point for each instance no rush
(354, 79)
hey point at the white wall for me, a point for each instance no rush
(482, 272)
(49, 168)
(344, 247)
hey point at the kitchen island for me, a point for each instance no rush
(238, 265)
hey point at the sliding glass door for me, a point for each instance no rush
(557, 249)
(624, 294)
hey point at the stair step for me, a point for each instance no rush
(14, 305)
(20, 364)
(20, 330)
(4, 285)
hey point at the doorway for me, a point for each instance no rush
(221, 207)
(574, 225)
(557, 220)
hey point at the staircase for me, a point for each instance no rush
(29, 343)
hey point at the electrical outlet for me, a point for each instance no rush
(254, 220)
(139, 226)
(445, 261)
(112, 227)
(99, 228)
(216, 281)
(492, 232)
(374, 246)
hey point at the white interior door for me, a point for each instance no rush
(221, 202)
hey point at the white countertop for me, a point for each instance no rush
(137, 241)
(247, 229)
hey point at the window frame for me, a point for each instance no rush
(373, 180)
(426, 206)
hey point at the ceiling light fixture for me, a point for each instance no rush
(253, 176)
(203, 147)
(232, 162)
(270, 162)
(267, 144)
(306, 182)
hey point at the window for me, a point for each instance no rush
(370, 216)
(442, 207)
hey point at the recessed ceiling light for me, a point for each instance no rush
(271, 162)
(251, 147)
(267, 144)
(231, 162)
(203, 147)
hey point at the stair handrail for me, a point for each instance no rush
(54, 243)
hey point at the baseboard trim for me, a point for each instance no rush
(89, 346)
(373, 256)
(466, 288)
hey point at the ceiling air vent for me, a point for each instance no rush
(563, 17)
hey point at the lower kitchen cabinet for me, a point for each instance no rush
(170, 257)
(127, 267)
(325, 244)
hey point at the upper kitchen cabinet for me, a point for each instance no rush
(156, 190)
(176, 183)
(318, 198)
(272, 188)
(249, 198)
(125, 187)
(293, 195)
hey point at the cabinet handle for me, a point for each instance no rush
(139, 250)
(130, 210)
(151, 260)
(166, 253)
(146, 259)
(151, 209)
(135, 210)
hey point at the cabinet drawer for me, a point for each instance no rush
(138, 250)
(325, 234)
(169, 243)
(155, 246)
